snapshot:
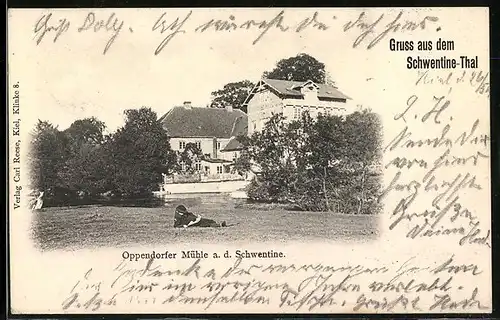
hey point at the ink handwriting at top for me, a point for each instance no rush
(175, 27)
(45, 25)
(439, 106)
(371, 28)
(478, 79)
(232, 24)
(111, 24)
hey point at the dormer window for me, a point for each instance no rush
(309, 89)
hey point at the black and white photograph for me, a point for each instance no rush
(249, 160)
(285, 157)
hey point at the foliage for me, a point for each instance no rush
(242, 164)
(302, 67)
(139, 153)
(329, 163)
(89, 131)
(84, 171)
(232, 94)
(48, 153)
(83, 162)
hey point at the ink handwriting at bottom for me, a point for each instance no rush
(446, 302)
(300, 288)
(315, 291)
(93, 303)
(386, 304)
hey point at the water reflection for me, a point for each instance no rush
(202, 202)
(171, 200)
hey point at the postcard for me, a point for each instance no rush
(249, 160)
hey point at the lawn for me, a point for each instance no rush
(117, 226)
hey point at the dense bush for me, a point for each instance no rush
(82, 162)
(325, 164)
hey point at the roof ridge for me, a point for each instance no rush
(202, 121)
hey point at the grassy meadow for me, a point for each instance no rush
(90, 226)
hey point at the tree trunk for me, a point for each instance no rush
(324, 190)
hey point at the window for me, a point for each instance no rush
(218, 145)
(219, 169)
(197, 166)
(296, 112)
(182, 144)
(198, 144)
(235, 155)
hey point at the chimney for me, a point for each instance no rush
(187, 104)
(229, 108)
(214, 150)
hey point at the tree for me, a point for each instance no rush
(274, 150)
(89, 131)
(84, 172)
(366, 153)
(138, 154)
(323, 164)
(188, 158)
(48, 152)
(233, 94)
(302, 67)
(242, 164)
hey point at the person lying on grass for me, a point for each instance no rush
(184, 219)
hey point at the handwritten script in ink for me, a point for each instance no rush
(445, 286)
(445, 162)
(53, 27)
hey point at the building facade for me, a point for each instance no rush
(210, 129)
(292, 98)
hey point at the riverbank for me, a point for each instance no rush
(204, 187)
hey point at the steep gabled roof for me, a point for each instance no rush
(240, 126)
(285, 88)
(233, 145)
(204, 122)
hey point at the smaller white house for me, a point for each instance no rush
(232, 150)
